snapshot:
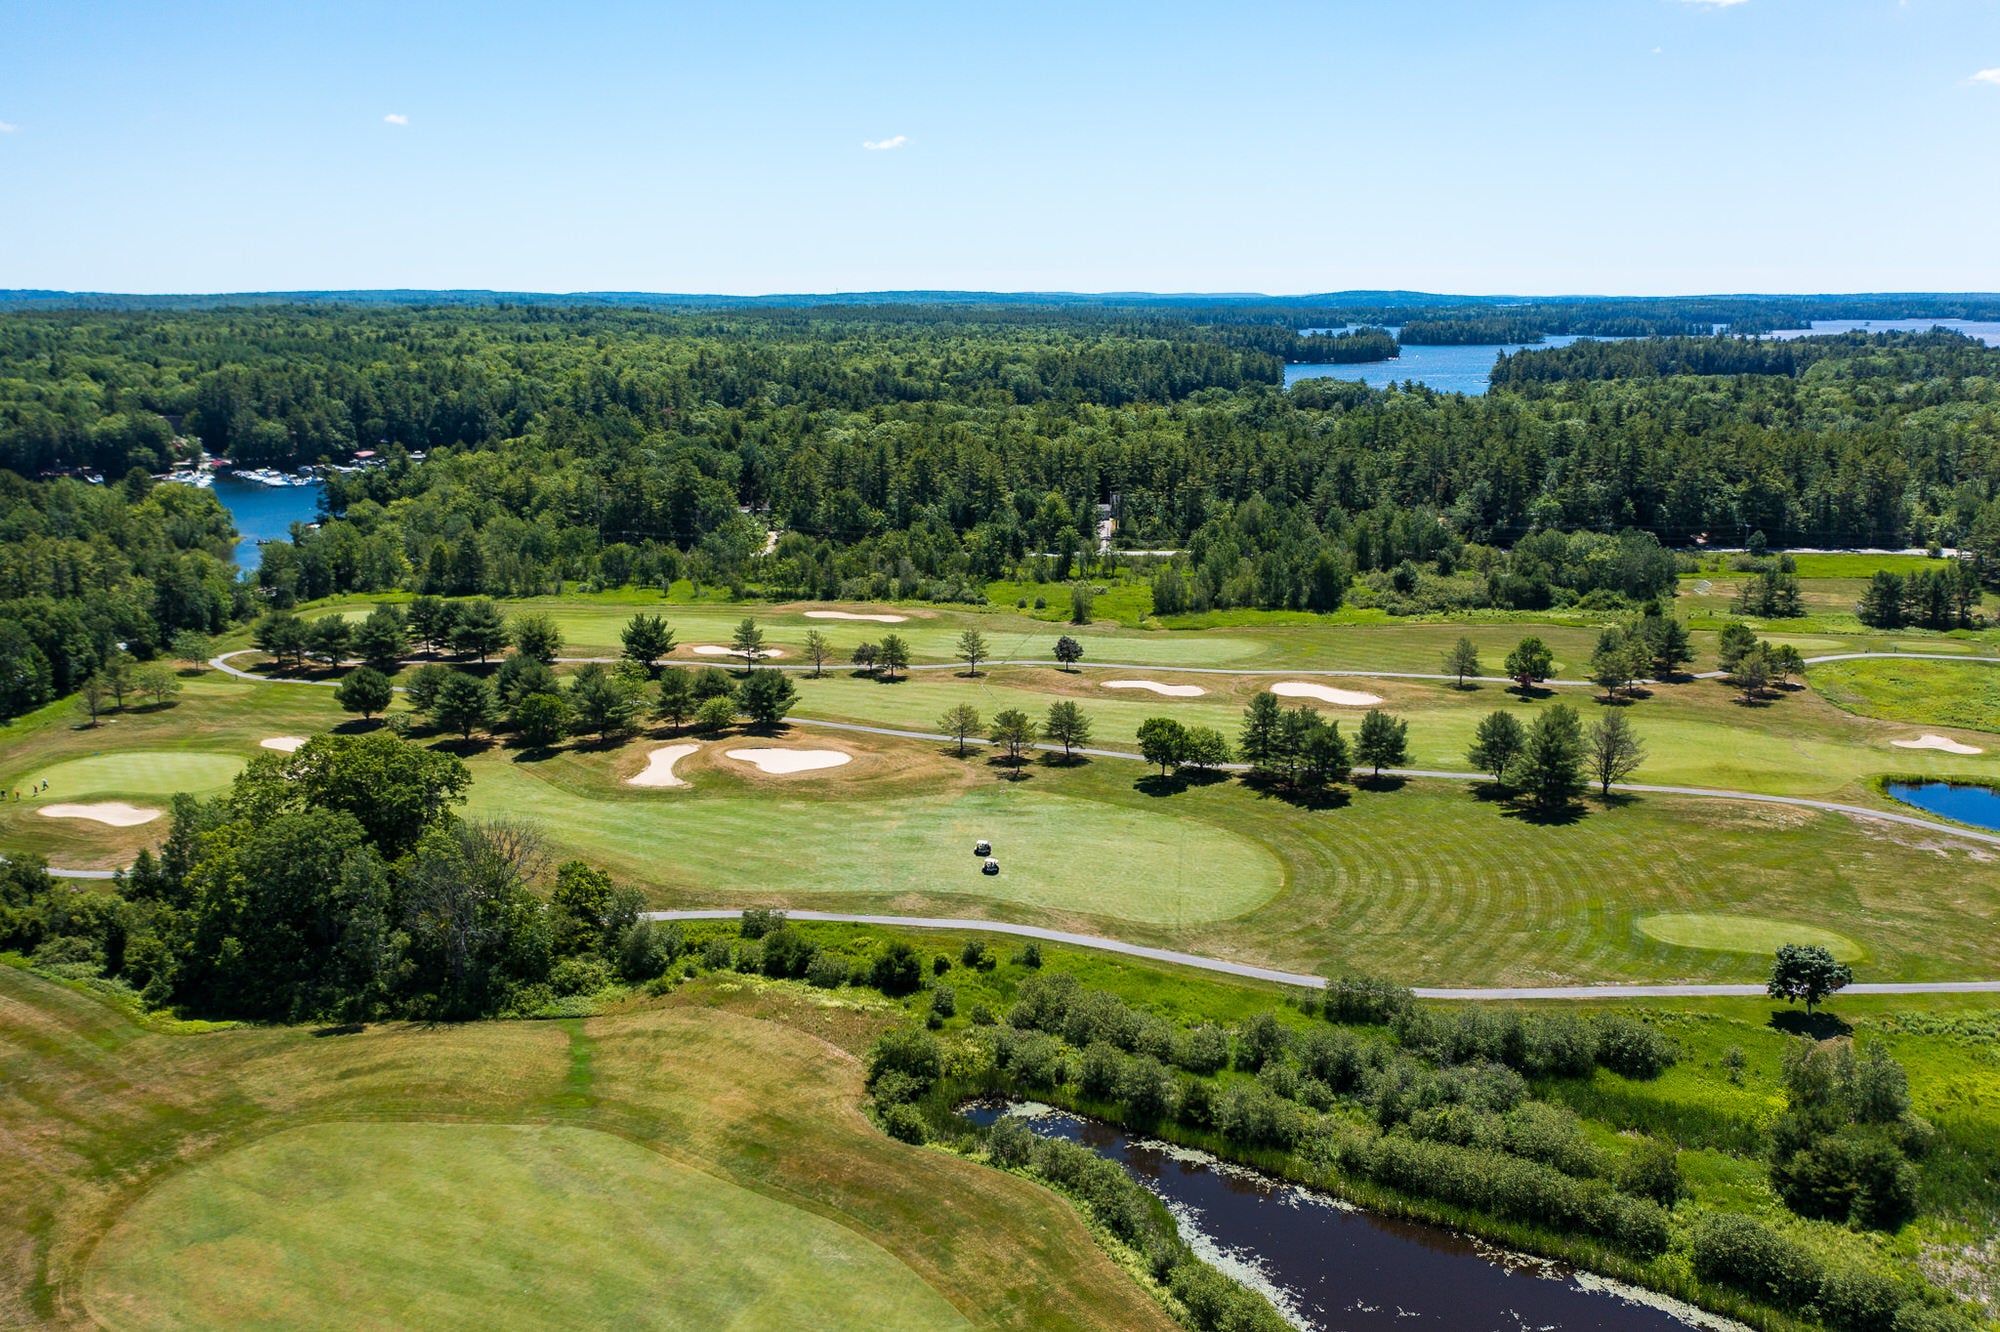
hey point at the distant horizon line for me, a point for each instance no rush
(915, 295)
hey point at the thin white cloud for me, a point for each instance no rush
(1715, 4)
(1983, 76)
(5, 128)
(395, 118)
(882, 145)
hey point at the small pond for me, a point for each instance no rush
(1967, 802)
(1331, 1267)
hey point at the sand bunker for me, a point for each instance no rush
(1944, 742)
(850, 615)
(790, 760)
(287, 743)
(114, 812)
(1340, 698)
(711, 650)
(660, 766)
(1171, 691)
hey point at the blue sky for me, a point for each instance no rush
(1642, 146)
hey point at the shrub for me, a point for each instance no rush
(1259, 1040)
(1857, 1173)
(750, 956)
(646, 949)
(1030, 955)
(897, 970)
(975, 955)
(1652, 1170)
(1030, 1057)
(944, 1000)
(982, 1016)
(715, 954)
(905, 1123)
(579, 975)
(756, 922)
(1331, 1056)
(1855, 1299)
(1098, 1015)
(1011, 1142)
(1554, 1136)
(1253, 1116)
(1203, 1049)
(787, 953)
(908, 1051)
(1146, 1088)
(1632, 1048)
(1215, 1302)
(1364, 999)
(1100, 1070)
(1733, 1250)
(827, 971)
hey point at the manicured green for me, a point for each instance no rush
(156, 773)
(534, 1225)
(1743, 934)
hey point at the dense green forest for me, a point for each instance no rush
(913, 451)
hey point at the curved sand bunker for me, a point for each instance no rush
(850, 615)
(285, 744)
(114, 812)
(660, 766)
(1944, 742)
(1171, 691)
(711, 650)
(789, 760)
(1340, 698)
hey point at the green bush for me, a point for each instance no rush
(1011, 1142)
(1632, 1048)
(905, 1123)
(1203, 1049)
(579, 975)
(1217, 1304)
(647, 948)
(1100, 1069)
(716, 954)
(897, 970)
(906, 1050)
(944, 1000)
(1653, 1170)
(827, 971)
(1735, 1250)
(1855, 1299)
(787, 953)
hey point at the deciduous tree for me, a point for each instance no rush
(1614, 750)
(1067, 725)
(1382, 742)
(960, 722)
(1496, 743)
(365, 690)
(1068, 652)
(1462, 661)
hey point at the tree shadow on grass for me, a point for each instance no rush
(1820, 1026)
(1058, 759)
(341, 1029)
(1326, 797)
(1534, 693)
(360, 725)
(1491, 792)
(461, 747)
(1386, 782)
(1615, 800)
(1157, 784)
(1012, 769)
(1560, 817)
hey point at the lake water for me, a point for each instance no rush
(1446, 369)
(1987, 332)
(1330, 1267)
(265, 513)
(1973, 804)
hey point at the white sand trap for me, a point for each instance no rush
(1171, 691)
(660, 766)
(1944, 742)
(850, 615)
(711, 650)
(288, 744)
(1340, 698)
(114, 812)
(790, 760)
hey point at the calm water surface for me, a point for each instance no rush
(1987, 332)
(1976, 805)
(265, 513)
(1329, 1267)
(1446, 369)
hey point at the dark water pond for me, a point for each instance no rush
(1968, 803)
(1330, 1267)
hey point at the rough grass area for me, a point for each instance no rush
(732, 1136)
(1923, 693)
(1744, 934)
(346, 1225)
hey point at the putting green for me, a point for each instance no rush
(480, 1226)
(1056, 852)
(1744, 934)
(149, 772)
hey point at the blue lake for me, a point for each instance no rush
(1976, 805)
(1446, 369)
(265, 513)
(1987, 332)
